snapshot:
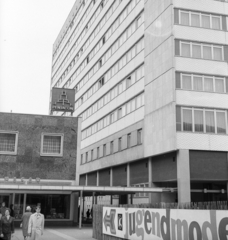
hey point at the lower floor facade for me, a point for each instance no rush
(193, 176)
(59, 208)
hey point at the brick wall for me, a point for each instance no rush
(28, 162)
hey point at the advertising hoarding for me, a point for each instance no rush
(165, 224)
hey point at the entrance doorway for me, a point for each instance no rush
(5, 198)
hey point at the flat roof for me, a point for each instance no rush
(87, 190)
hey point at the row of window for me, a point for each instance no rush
(201, 120)
(117, 90)
(77, 19)
(203, 83)
(86, 158)
(112, 117)
(141, 194)
(131, 29)
(201, 50)
(202, 20)
(127, 57)
(86, 44)
(51, 143)
(115, 46)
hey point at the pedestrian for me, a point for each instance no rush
(7, 226)
(91, 212)
(36, 225)
(11, 211)
(25, 221)
(88, 213)
(3, 209)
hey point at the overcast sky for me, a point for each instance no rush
(28, 29)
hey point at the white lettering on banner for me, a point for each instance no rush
(165, 224)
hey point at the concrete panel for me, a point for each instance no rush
(124, 142)
(183, 176)
(164, 167)
(160, 131)
(139, 172)
(160, 30)
(153, 9)
(159, 61)
(120, 176)
(92, 179)
(208, 165)
(201, 141)
(115, 146)
(200, 34)
(104, 177)
(201, 66)
(202, 99)
(82, 180)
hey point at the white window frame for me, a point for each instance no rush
(188, 75)
(52, 154)
(16, 142)
(189, 18)
(182, 118)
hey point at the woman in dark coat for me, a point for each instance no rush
(7, 225)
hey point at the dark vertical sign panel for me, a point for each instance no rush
(62, 100)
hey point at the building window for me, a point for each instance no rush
(81, 158)
(119, 144)
(119, 113)
(129, 140)
(51, 144)
(203, 83)
(103, 40)
(104, 150)
(111, 147)
(139, 136)
(91, 155)
(204, 120)
(8, 142)
(86, 156)
(100, 63)
(202, 20)
(101, 82)
(98, 152)
(201, 51)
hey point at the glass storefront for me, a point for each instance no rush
(53, 206)
(18, 205)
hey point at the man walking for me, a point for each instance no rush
(3, 209)
(36, 225)
(25, 221)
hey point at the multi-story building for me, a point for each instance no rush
(151, 81)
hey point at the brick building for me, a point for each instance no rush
(39, 150)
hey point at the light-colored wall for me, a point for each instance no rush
(202, 99)
(119, 157)
(199, 141)
(159, 121)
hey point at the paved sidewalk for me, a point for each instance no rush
(68, 233)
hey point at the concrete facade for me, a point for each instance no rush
(151, 79)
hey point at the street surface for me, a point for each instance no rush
(68, 233)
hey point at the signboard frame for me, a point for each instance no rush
(62, 100)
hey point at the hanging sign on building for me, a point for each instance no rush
(165, 224)
(62, 100)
